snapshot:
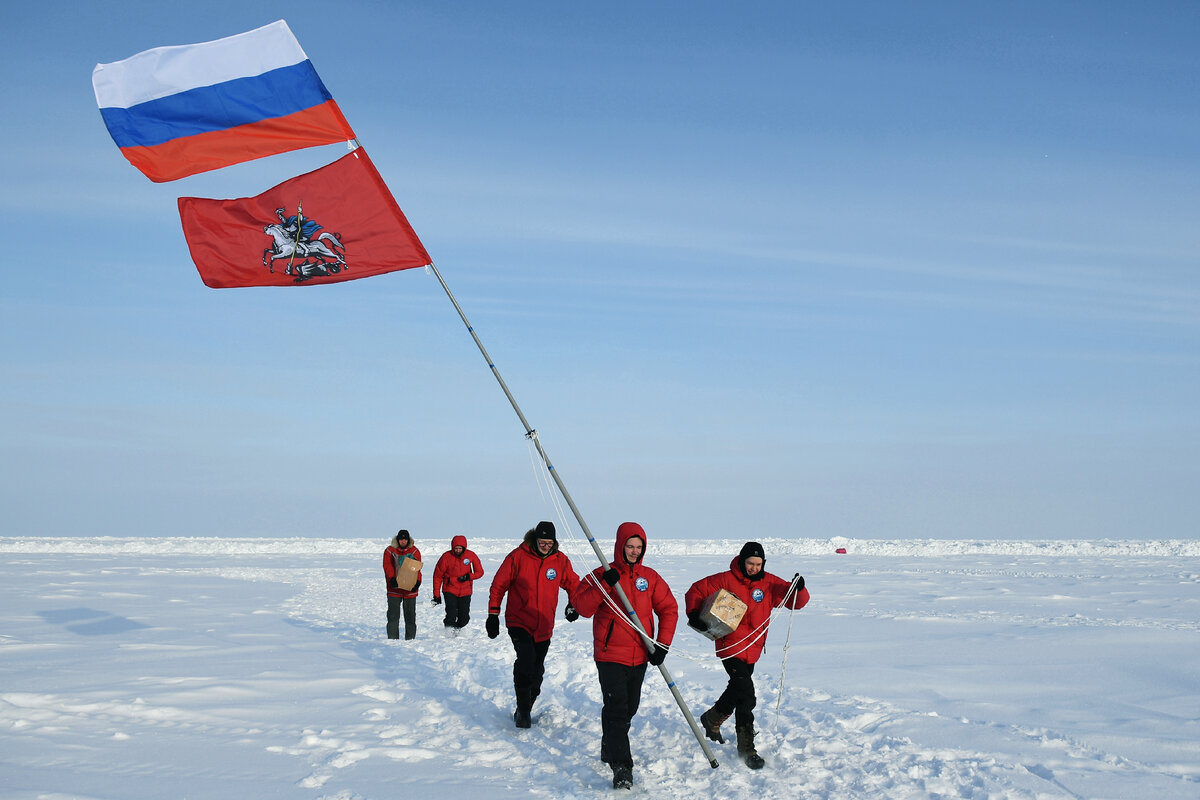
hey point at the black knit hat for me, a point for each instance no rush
(403, 534)
(545, 530)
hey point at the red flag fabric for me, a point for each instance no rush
(337, 223)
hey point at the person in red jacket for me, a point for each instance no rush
(762, 592)
(454, 576)
(620, 651)
(531, 576)
(401, 600)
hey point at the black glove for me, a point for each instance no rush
(611, 576)
(570, 614)
(416, 586)
(694, 621)
(492, 625)
(437, 601)
(657, 655)
(392, 583)
(464, 578)
(799, 580)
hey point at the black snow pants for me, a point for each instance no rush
(621, 687)
(738, 698)
(458, 610)
(529, 668)
(406, 606)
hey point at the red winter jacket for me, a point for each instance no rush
(450, 568)
(532, 583)
(392, 557)
(614, 637)
(760, 596)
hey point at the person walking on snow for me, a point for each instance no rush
(748, 580)
(531, 576)
(454, 577)
(620, 652)
(400, 600)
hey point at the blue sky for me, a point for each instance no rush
(779, 269)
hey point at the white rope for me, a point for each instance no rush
(541, 476)
(783, 664)
(747, 641)
(744, 644)
(551, 499)
(537, 471)
(619, 612)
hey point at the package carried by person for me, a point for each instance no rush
(722, 611)
(406, 572)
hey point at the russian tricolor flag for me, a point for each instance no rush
(177, 111)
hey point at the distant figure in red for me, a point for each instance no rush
(531, 576)
(620, 652)
(454, 577)
(400, 600)
(748, 580)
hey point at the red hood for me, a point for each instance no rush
(625, 532)
(458, 541)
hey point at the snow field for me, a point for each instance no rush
(133, 674)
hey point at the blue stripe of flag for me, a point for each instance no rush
(276, 93)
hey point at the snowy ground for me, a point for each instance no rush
(226, 668)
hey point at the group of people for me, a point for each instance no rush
(533, 574)
(454, 579)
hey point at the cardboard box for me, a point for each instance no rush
(406, 572)
(723, 612)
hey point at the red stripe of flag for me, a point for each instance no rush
(188, 155)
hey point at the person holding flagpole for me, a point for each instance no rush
(531, 576)
(620, 652)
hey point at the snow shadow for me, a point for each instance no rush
(90, 621)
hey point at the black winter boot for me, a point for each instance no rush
(745, 747)
(524, 706)
(711, 722)
(622, 776)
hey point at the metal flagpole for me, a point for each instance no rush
(296, 243)
(531, 434)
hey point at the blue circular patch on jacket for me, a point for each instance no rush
(758, 595)
(551, 574)
(467, 562)
(641, 584)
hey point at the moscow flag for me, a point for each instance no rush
(337, 223)
(176, 111)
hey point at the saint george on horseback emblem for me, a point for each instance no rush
(309, 254)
